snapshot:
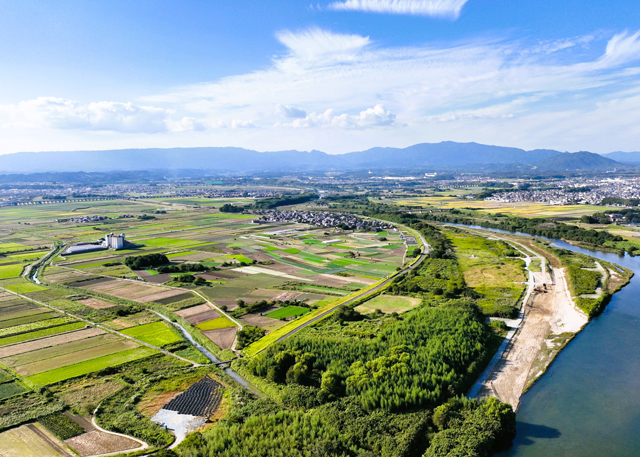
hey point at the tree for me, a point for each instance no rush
(142, 262)
(229, 208)
(248, 335)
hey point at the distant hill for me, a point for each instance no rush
(579, 161)
(626, 157)
(445, 156)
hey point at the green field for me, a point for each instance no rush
(34, 255)
(11, 247)
(25, 288)
(63, 349)
(288, 311)
(219, 322)
(156, 334)
(239, 258)
(89, 366)
(41, 333)
(168, 242)
(35, 325)
(29, 316)
(10, 271)
(388, 304)
(68, 356)
(9, 389)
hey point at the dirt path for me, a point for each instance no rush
(549, 320)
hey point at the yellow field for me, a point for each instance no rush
(517, 209)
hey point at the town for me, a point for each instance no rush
(321, 218)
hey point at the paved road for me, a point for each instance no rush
(382, 285)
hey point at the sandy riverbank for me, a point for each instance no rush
(550, 320)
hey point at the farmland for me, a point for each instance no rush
(79, 339)
(156, 333)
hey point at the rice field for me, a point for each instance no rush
(155, 333)
(287, 312)
(11, 271)
(213, 324)
(90, 366)
(524, 209)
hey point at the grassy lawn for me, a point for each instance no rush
(156, 333)
(219, 322)
(388, 304)
(89, 366)
(288, 311)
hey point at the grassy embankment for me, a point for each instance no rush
(492, 269)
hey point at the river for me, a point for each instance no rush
(588, 402)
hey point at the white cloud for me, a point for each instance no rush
(621, 49)
(186, 124)
(239, 124)
(562, 94)
(290, 111)
(373, 117)
(63, 114)
(434, 8)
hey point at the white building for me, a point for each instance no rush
(114, 241)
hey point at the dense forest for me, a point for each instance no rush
(376, 385)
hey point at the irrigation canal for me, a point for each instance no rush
(588, 402)
(231, 373)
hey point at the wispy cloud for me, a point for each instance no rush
(317, 44)
(434, 8)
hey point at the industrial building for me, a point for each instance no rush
(114, 241)
(110, 241)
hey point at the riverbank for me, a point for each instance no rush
(549, 320)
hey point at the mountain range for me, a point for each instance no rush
(445, 156)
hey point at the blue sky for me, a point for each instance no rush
(338, 75)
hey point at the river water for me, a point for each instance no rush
(588, 402)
